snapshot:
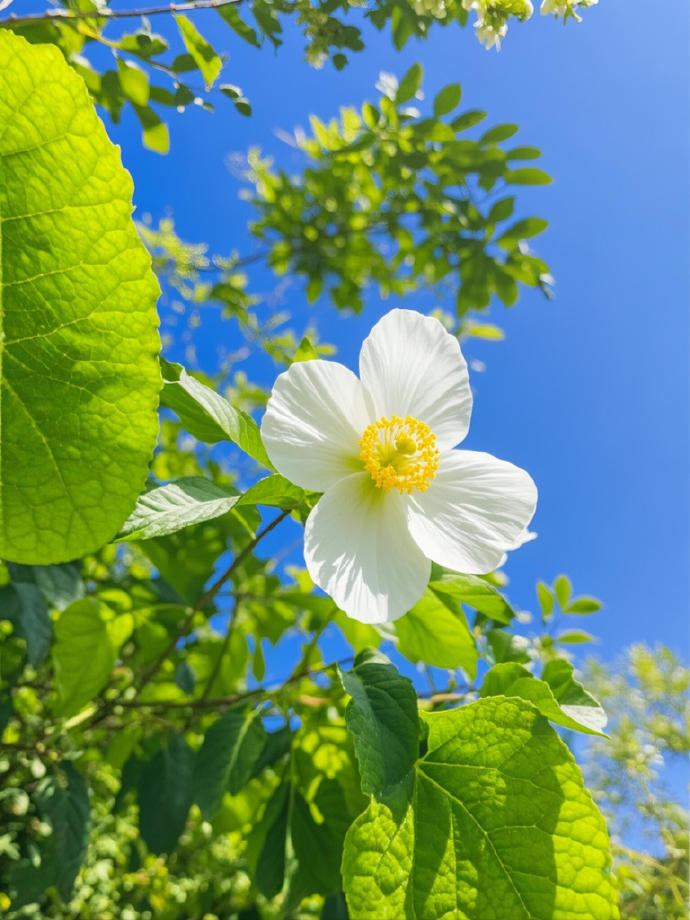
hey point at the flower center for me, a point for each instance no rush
(400, 453)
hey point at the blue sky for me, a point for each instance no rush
(588, 392)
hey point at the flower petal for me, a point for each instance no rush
(410, 365)
(476, 508)
(359, 550)
(313, 423)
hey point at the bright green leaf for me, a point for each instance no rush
(575, 637)
(433, 633)
(581, 712)
(583, 605)
(476, 593)
(563, 590)
(172, 507)
(528, 176)
(207, 415)
(546, 599)
(274, 491)
(498, 827)
(447, 99)
(410, 84)
(203, 54)
(80, 379)
(88, 637)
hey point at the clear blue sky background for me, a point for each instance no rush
(588, 392)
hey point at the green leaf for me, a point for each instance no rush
(468, 120)
(80, 378)
(164, 792)
(572, 697)
(583, 605)
(155, 133)
(227, 758)
(203, 54)
(522, 230)
(61, 585)
(305, 352)
(88, 637)
(575, 637)
(172, 507)
(410, 84)
(134, 82)
(382, 717)
(437, 635)
(563, 590)
(501, 210)
(499, 825)
(237, 24)
(528, 176)
(498, 134)
(476, 593)
(207, 415)
(447, 99)
(580, 711)
(64, 801)
(25, 606)
(546, 599)
(274, 491)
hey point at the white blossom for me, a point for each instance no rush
(397, 495)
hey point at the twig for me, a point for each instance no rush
(234, 698)
(65, 14)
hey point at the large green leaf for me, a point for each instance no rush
(566, 703)
(79, 377)
(382, 717)
(207, 415)
(434, 633)
(88, 637)
(498, 827)
(172, 507)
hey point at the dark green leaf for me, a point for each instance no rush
(164, 792)
(382, 717)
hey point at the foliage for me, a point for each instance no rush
(154, 764)
(63, 183)
(639, 777)
(191, 66)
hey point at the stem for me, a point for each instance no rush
(231, 700)
(65, 15)
(223, 649)
(206, 598)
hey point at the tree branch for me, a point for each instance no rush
(66, 15)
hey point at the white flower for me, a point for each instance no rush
(489, 35)
(380, 448)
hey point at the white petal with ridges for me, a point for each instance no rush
(476, 508)
(313, 423)
(410, 365)
(358, 549)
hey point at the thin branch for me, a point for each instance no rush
(206, 599)
(234, 698)
(221, 654)
(66, 15)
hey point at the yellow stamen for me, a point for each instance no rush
(400, 453)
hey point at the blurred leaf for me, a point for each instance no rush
(88, 637)
(447, 99)
(574, 637)
(203, 54)
(528, 176)
(583, 605)
(410, 84)
(164, 792)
